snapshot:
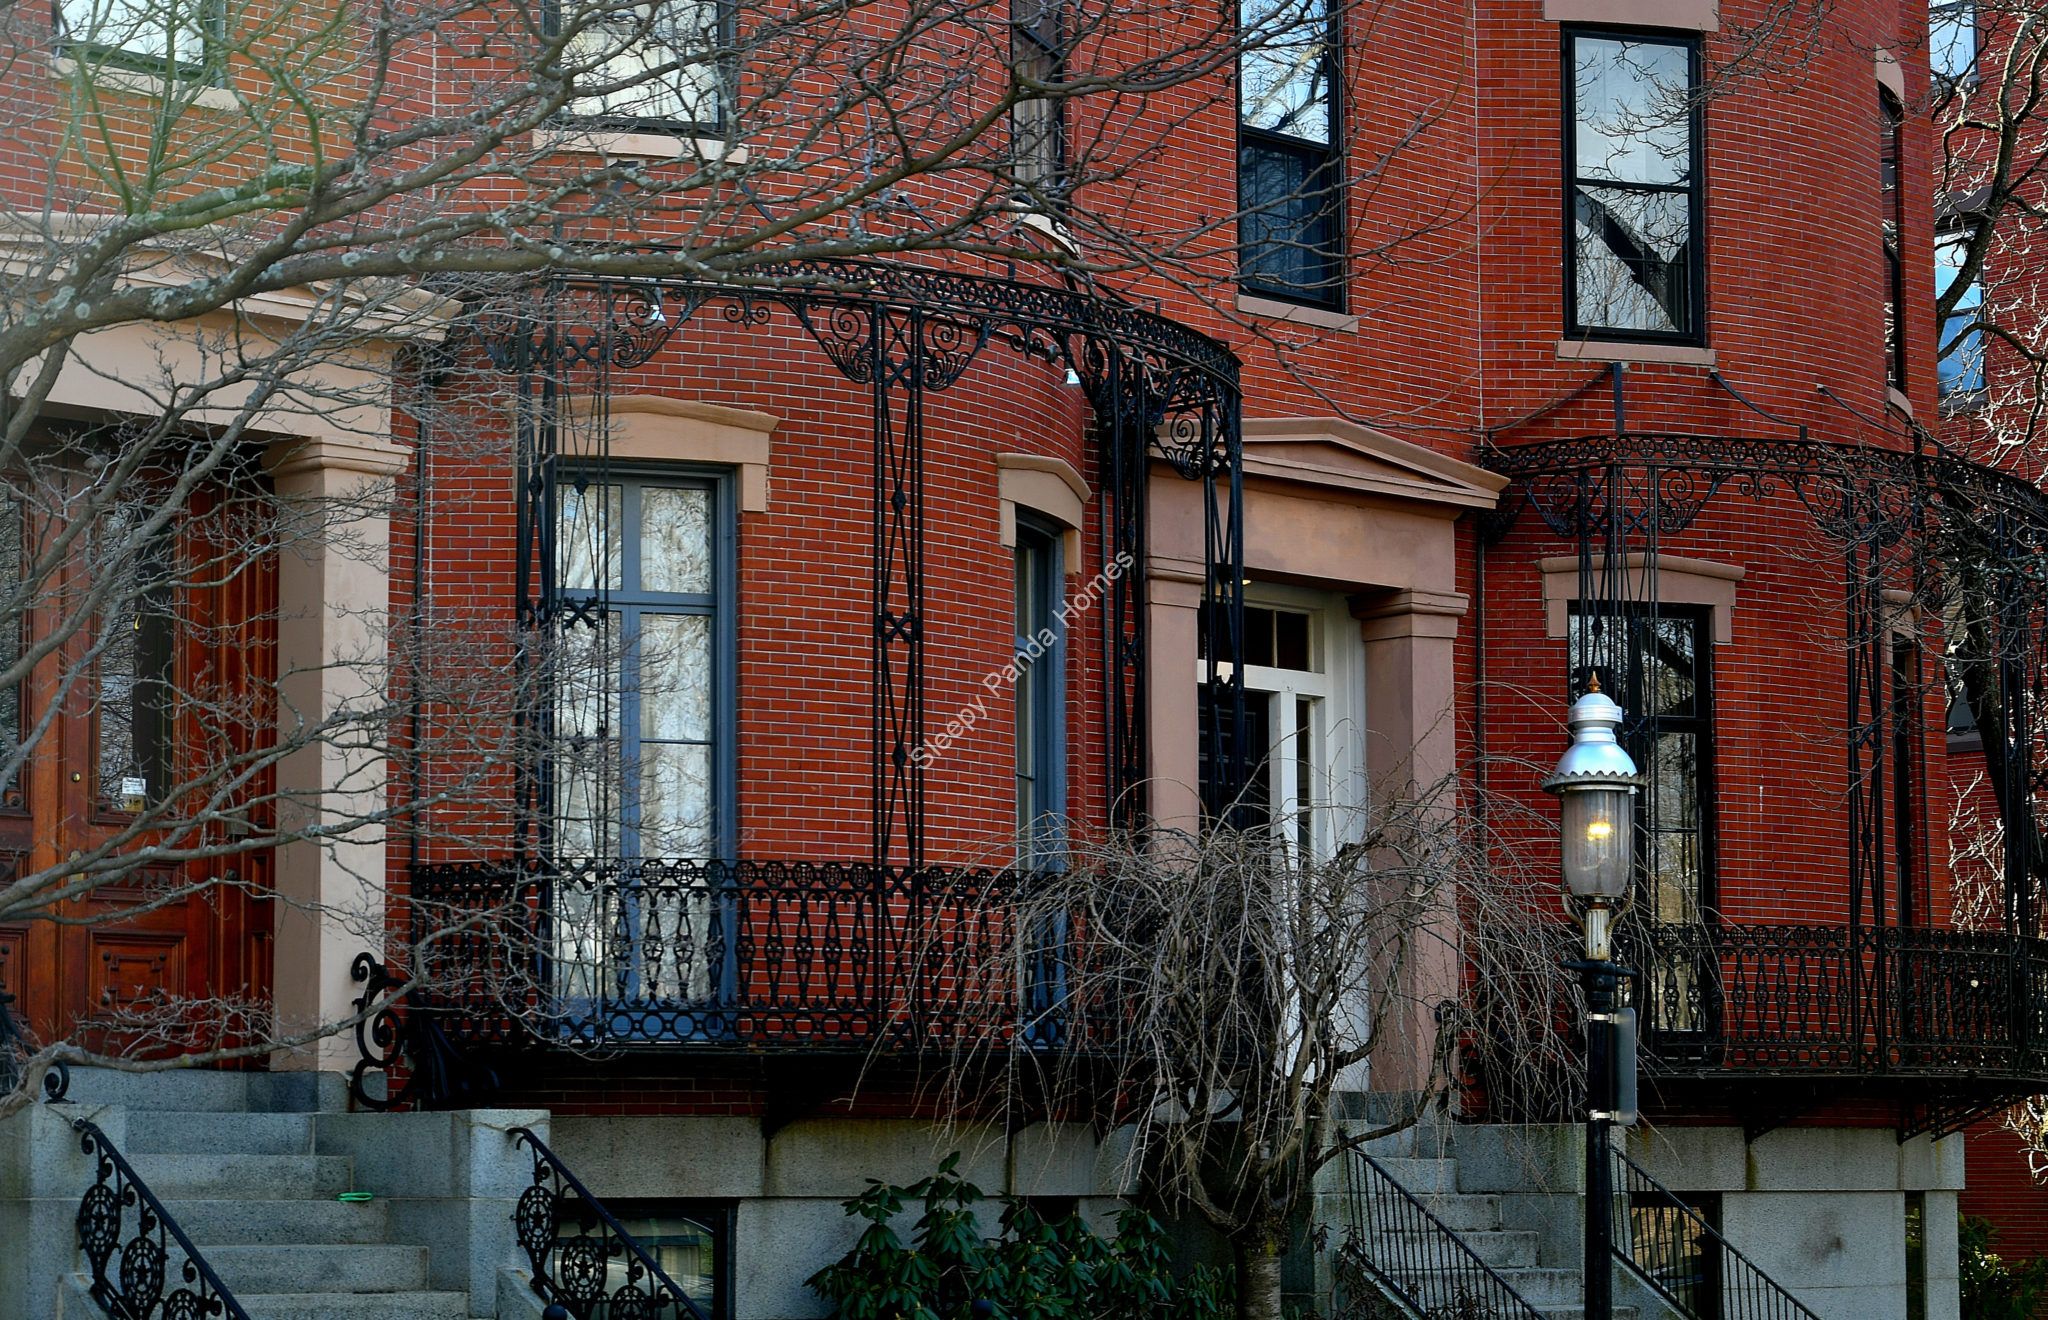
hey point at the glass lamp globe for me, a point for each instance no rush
(1595, 782)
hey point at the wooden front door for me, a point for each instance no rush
(156, 957)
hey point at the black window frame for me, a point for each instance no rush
(1965, 388)
(720, 604)
(1321, 167)
(1892, 222)
(209, 70)
(725, 69)
(1694, 334)
(1038, 153)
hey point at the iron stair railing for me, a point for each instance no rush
(1670, 1246)
(575, 1274)
(137, 1288)
(1414, 1258)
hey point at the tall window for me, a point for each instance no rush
(1298, 678)
(1039, 694)
(1633, 197)
(134, 671)
(650, 66)
(1290, 198)
(1961, 365)
(1892, 118)
(1038, 143)
(174, 36)
(1905, 715)
(642, 755)
(1952, 39)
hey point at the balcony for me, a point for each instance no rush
(650, 955)
(1954, 1021)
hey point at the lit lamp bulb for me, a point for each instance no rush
(1595, 783)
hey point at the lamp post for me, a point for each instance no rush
(1595, 782)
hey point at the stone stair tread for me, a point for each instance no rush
(419, 1305)
(262, 1177)
(354, 1268)
(207, 1132)
(247, 1221)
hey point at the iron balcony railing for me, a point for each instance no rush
(1673, 1248)
(1805, 1000)
(1394, 1244)
(745, 955)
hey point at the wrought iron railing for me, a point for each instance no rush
(1806, 1000)
(584, 1261)
(1673, 1248)
(748, 955)
(1394, 1243)
(140, 1285)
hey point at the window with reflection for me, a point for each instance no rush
(134, 672)
(1658, 666)
(1892, 120)
(1633, 196)
(157, 36)
(1289, 176)
(653, 66)
(1038, 142)
(1952, 39)
(640, 766)
(1039, 693)
(691, 1241)
(1960, 367)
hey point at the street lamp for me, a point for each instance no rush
(1595, 782)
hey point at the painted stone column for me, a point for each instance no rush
(1411, 755)
(1173, 717)
(333, 587)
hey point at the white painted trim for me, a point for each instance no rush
(108, 78)
(612, 145)
(1601, 350)
(1684, 15)
(1273, 309)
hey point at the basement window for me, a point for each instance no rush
(690, 1240)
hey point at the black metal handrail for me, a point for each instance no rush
(1398, 1245)
(1670, 1246)
(1801, 1000)
(748, 955)
(601, 1272)
(137, 1289)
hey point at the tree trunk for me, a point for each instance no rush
(1258, 1276)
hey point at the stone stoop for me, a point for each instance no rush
(1423, 1161)
(251, 1166)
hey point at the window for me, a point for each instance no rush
(1892, 118)
(177, 36)
(1952, 39)
(1298, 678)
(1039, 694)
(1635, 265)
(1289, 197)
(690, 1240)
(1685, 1264)
(642, 767)
(1961, 364)
(1916, 1256)
(134, 670)
(1906, 795)
(1038, 143)
(652, 66)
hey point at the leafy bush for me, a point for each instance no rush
(1992, 1287)
(1033, 1269)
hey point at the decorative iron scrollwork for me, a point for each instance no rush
(140, 1286)
(393, 1034)
(584, 1261)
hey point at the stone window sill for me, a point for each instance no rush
(1602, 350)
(613, 145)
(1294, 314)
(109, 78)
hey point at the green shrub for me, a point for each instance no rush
(1033, 1269)
(1992, 1287)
